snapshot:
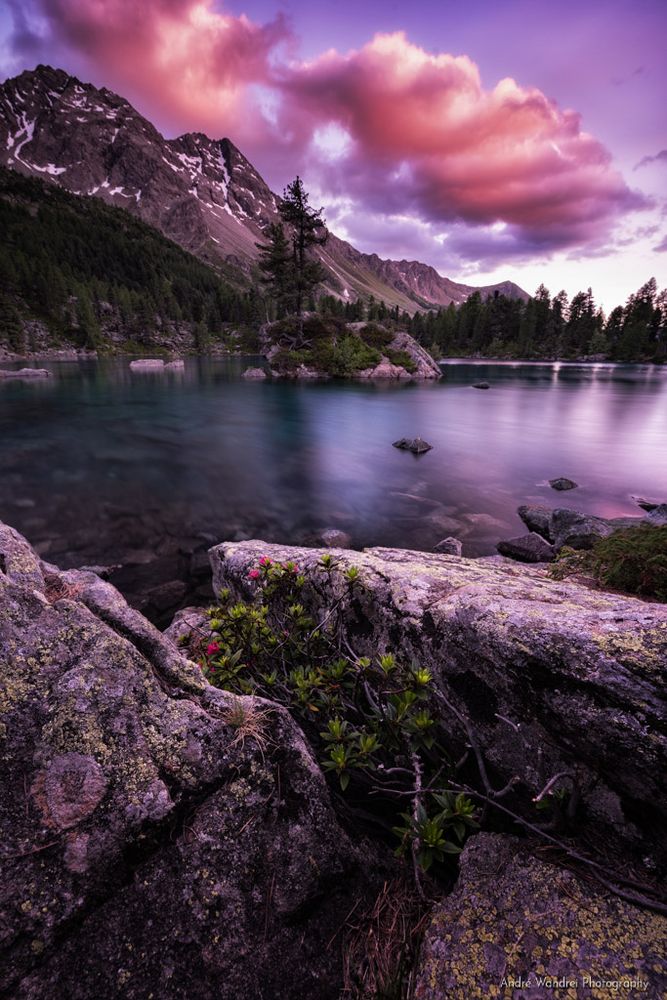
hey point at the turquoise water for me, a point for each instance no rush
(99, 464)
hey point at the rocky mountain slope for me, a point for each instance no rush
(200, 192)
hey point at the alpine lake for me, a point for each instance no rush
(143, 471)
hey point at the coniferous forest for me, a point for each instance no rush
(74, 263)
(80, 266)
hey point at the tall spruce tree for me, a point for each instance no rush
(277, 266)
(308, 230)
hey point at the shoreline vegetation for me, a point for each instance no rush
(81, 276)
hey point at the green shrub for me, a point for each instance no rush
(285, 328)
(369, 719)
(311, 328)
(316, 327)
(402, 358)
(376, 336)
(633, 560)
(338, 358)
(351, 355)
(288, 361)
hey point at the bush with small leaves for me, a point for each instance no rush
(369, 719)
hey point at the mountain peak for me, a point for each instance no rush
(200, 192)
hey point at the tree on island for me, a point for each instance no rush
(291, 275)
(276, 264)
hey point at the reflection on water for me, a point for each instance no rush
(101, 464)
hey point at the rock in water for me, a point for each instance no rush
(481, 385)
(25, 373)
(146, 848)
(334, 538)
(419, 446)
(563, 484)
(449, 547)
(577, 530)
(254, 373)
(416, 445)
(647, 505)
(537, 519)
(658, 515)
(531, 548)
(177, 365)
(147, 364)
(513, 916)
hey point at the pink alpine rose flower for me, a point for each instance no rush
(253, 574)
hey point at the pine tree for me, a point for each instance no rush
(277, 266)
(308, 230)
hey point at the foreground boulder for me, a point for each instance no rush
(516, 926)
(550, 676)
(159, 837)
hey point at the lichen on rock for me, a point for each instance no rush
(146, 850)
(517, 926)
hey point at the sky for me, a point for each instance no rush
(522, 140)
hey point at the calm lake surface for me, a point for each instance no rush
(99, 464)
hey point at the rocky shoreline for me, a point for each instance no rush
(148, 848)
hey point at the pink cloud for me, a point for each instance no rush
(187, 63)
(396, 130)
(426, 135)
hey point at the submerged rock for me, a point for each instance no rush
(25, 373)
(449, 547)
(481, 385)
(563, 484)
(647, 505)
(537, 519)
(334, 538)
(254, 373)
(658, 515)
(531, 548)
(416, 445)
(150, 845)
(147, 364)
(577, 530)
(514, 916)
(385, 369)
